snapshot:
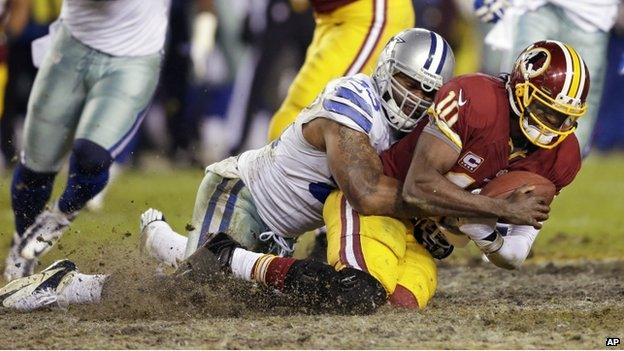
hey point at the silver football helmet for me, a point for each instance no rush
(423, 56)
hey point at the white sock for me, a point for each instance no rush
(164, 244)
(243, 262)
(84, 288)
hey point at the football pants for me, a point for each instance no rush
(346, 41)
(384, 247)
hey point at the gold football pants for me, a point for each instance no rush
(346, 41)
(382, 246)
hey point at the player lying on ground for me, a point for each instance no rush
(545, 95)
(277, 192)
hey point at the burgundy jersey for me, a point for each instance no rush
(326, 6)
(472, 116)
(560, 165)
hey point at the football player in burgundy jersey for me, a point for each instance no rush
(483, 126)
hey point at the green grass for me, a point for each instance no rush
(587, 219)
(93, 235)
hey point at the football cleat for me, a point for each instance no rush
(38, 290)
(17, 266)
(209, 260)
(222, 246)
(41, 236)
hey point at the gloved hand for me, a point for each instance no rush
(490, 11)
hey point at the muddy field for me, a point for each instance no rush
(567, 305)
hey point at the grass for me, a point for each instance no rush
(587, 219)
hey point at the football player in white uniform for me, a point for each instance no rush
(98, 71)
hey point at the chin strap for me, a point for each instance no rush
(512, 101)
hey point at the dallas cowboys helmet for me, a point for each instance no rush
(422, 55)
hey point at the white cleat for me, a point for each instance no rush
(16, 266)
(41, 236)
(39, 290)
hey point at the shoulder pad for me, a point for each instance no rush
(353, 97)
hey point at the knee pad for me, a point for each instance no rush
(320, 286)
(89, 157)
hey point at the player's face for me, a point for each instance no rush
(551, 118)
(415, 88)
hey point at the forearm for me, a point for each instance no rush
(383, 199)
(437, 196)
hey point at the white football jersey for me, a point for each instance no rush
(589, 15)
(289, 179)
(118, 27)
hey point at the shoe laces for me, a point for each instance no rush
(285, 247)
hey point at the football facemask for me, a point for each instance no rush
(545, 122)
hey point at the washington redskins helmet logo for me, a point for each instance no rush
(534, 62)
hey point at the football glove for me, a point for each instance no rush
(428, 234)
(490, 11)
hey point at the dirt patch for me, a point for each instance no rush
(571, 305)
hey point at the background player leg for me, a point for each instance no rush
(53, 112)
(119, 90)
(88, 175)
(346, 41)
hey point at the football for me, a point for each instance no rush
(504, 185)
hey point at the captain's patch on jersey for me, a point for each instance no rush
(470, 161)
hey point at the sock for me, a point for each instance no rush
(88, 175)
(276, 271)
(84, 288)
(243, 262)
(164, 244)
(267, 269)
(30, 191)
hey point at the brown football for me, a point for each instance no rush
(503, 186)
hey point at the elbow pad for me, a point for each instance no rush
(507, 252)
